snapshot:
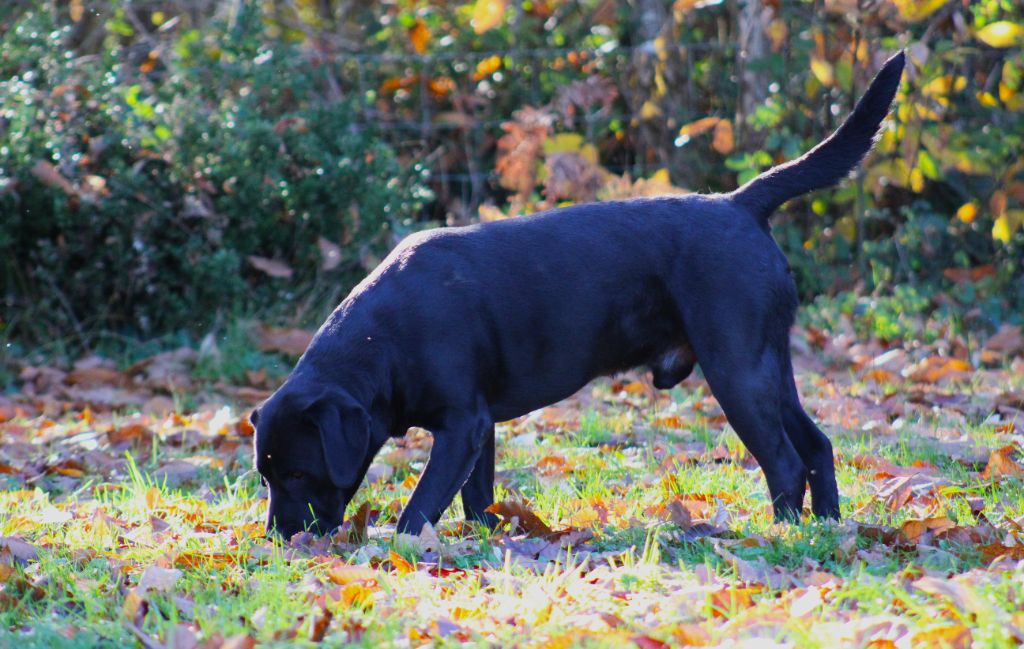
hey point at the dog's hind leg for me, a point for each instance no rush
(739, 351)
(812, 445)
(478, 492)
(748, 391)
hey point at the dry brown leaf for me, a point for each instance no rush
(47, 174)
(1001, 464)
(181, 636)
(519, 515)
(319, 624)
(330, 254)
(679, 514)
(17, 549)
(292, 342)
(1008, 340)
(271, 267)
(159, 579)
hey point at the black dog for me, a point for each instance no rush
(462, 327)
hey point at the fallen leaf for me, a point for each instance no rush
(330, 254)
(292, 342)
(319, 624)
(158, 579)
(518, 515)
(18, 549)
(342, 573)
(725, 602)
(271, 267)
(1001, 464)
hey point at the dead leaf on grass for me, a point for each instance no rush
(1001, 464)
(519, 516)
(290, 341)
(159, 579)
(17, 549)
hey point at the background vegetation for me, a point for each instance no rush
(169, 166)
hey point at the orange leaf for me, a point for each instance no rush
(552, 465)
(702, 125)
(420, 36)
(402, 566)
(343, 573)
(723, 141)
(1001, 463)
(691, 635)
(725, 602)
(355, 594)
(949, 637)
(960, 275)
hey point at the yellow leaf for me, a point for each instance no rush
(1007, 224)
(488, 66)
(420, 36)
(1002, 33)
(967, 212)
(987, 100)
(589, 153)
(487, 14)
(778, 32)
(563, 143)
(823, 71)
(1001, 230)
(700, 126)
(1006, 92)
(649, 110)
(944, 85)
(662, 176)
(916, 181)
(915, 10)
(723, 141)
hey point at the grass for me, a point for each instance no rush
(96, 538)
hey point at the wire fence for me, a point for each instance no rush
(436, 108)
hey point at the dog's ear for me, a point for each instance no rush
(344, 428)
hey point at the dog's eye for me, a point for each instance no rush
(296, 475)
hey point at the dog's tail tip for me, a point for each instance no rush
(833, 158)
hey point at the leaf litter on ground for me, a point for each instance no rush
(628, 516)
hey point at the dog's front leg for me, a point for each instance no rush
(478, 492)
(458, 444)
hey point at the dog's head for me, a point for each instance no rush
(312, 448)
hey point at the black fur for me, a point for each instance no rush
(462, 327)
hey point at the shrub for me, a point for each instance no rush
(143, 191)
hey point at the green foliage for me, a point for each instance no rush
(135, 193)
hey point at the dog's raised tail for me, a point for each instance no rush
(832, 159)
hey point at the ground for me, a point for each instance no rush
(130, 515)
